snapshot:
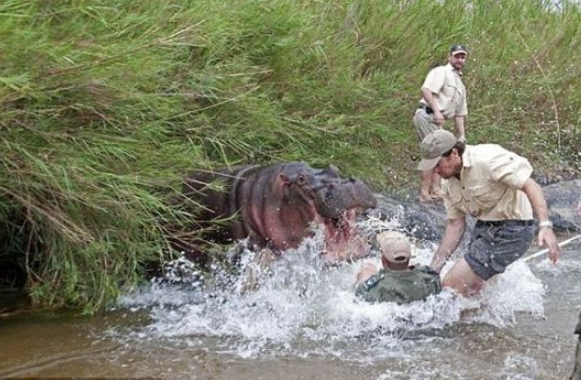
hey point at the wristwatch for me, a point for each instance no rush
(546, 223)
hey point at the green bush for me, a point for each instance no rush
(105, 105)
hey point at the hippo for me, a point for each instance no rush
(275, 207)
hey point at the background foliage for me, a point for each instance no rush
(106, 105)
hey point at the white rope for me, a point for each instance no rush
(543, 251)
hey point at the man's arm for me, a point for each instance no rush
(366, 271)
(454, 232)
(460, 131)
(428, 96)
(546, 235)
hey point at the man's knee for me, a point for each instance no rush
(463, 287)
(462, 279)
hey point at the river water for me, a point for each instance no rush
(305, 323)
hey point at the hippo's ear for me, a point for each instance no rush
(332, 170)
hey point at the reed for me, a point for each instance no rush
(105, 105)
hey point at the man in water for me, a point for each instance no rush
(495, 186)
(397, 281)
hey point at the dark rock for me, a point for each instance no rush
(426, 221)
(562, 199)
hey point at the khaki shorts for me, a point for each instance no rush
(424, 123)
(496, 245)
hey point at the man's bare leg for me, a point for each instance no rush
(462, 279)
(435, 189)
(425, 179)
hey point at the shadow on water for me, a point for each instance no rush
(305, 323)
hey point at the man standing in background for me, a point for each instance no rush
(443, 98)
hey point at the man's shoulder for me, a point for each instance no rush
(384, 276)
(483, 152)
(424, 269)
(415, 272)
(400, 286)
(438, 70)
(371, 282)
(430, 277)
(485, 147)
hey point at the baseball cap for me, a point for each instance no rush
(434, 145)
(458, 49)
(395, 246)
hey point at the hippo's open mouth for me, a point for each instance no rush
(342, 238)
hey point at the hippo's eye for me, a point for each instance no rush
(301, 179)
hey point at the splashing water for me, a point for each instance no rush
(305, 309)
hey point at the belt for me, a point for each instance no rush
(504, 223)
(426, 108)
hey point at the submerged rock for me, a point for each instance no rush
(562, 199)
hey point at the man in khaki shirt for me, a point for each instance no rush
(443, 98)
(493, 185)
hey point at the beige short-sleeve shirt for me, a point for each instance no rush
(448, 89)
(490, 185)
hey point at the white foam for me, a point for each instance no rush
(305, 309)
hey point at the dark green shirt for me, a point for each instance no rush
(400, 286)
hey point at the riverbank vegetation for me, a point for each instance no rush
(106, 105)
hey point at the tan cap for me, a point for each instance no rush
(395, 246)
(434, 145)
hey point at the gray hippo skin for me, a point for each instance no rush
(275, 206)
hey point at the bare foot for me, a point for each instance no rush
(437, 193)
(426, 197)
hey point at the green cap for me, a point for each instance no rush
(458, 49)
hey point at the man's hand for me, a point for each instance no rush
(547, 238)
(453, 233)
(367, 270)
(439, 118)
(462, 140)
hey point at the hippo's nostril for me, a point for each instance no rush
(301, 180)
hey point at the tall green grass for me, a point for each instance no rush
(105, 105)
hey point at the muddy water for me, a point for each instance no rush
(304, 323)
